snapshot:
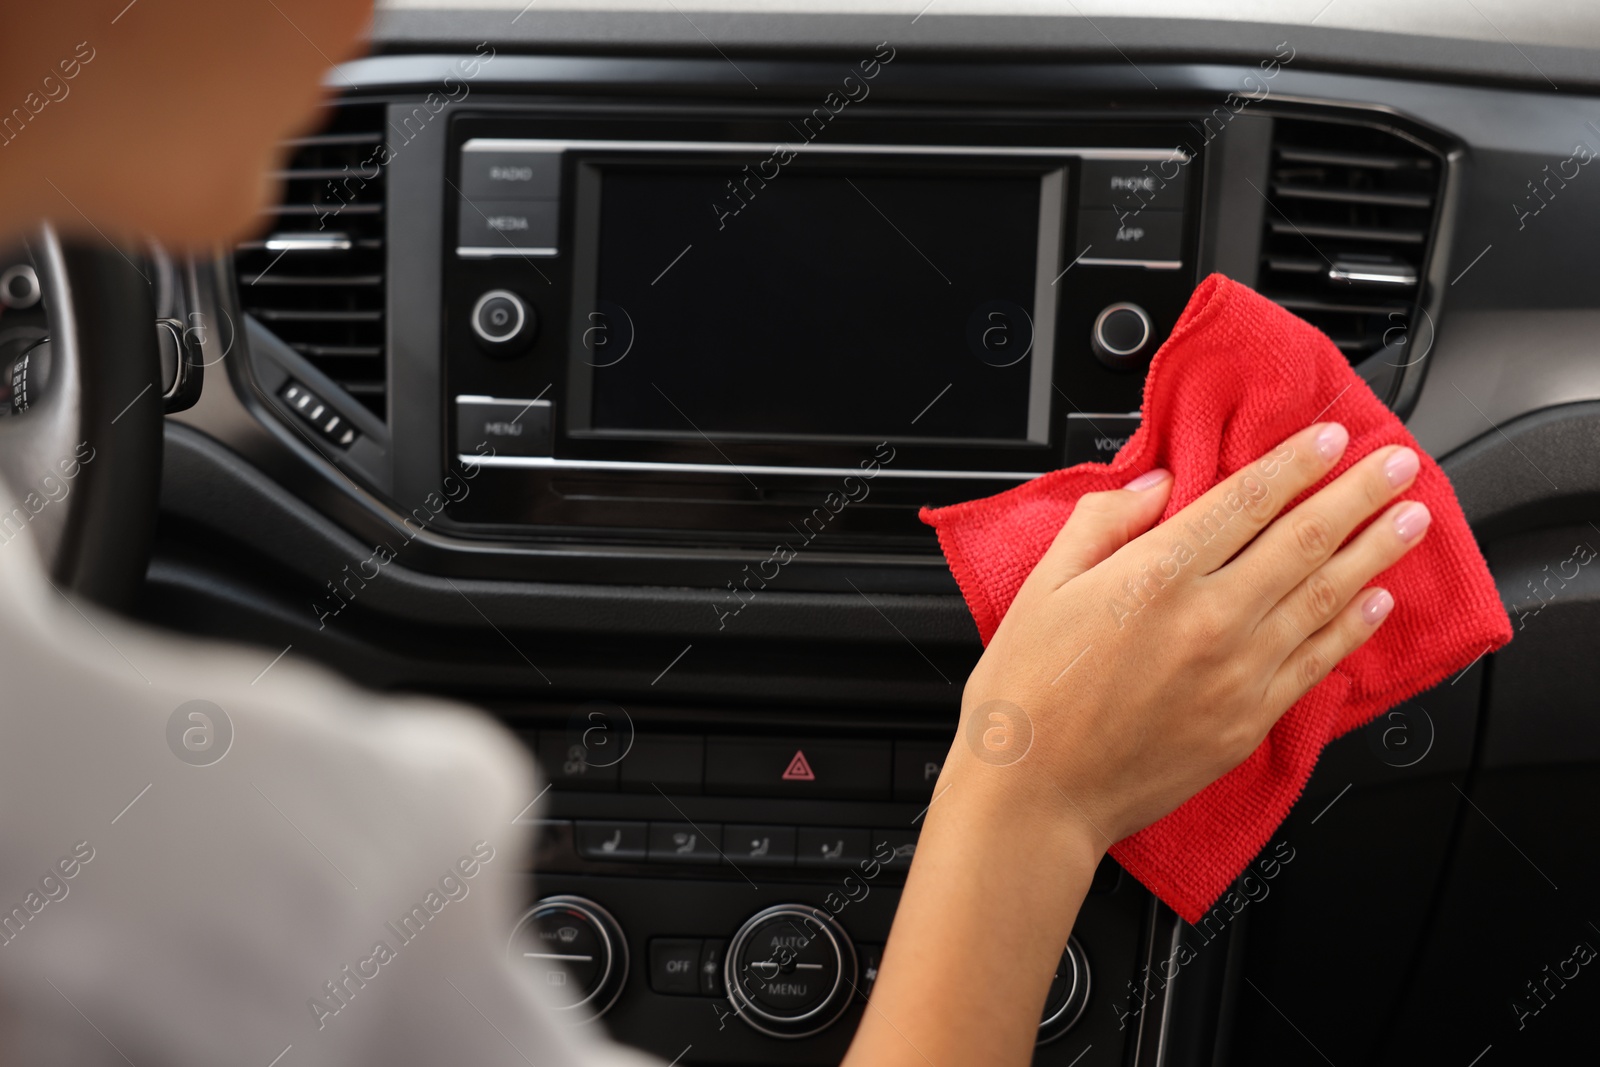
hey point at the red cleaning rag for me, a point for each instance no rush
(1238, 375)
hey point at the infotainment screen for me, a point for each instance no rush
(913, 303)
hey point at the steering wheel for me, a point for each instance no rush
(80, 446)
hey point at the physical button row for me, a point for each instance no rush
(751, 767)
(742, 845)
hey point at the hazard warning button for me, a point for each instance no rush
(796, 767)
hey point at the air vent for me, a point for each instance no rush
(316, 276)
(1347, 230)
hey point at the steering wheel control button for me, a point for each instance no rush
(1119, 237)
(675, 966)
(319, 415)
(682, 842)
(509, 427)
(841, 770)
(832, 847)
(1122, 335)
(1068, 995)
(1134, 186)
(917, 765)
(613, 842)
(576, 952)
(504, 323)
(1096, 438)
(791, 971)
(760, 846)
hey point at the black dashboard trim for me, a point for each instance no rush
(1058, 38)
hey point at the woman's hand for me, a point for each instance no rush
(1135, 667)
(1146, 663)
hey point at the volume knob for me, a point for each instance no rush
(1121, 335)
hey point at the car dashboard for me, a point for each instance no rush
(593, 368)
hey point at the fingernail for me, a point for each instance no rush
(1377, 605)
(1330, 441)
(1401, 467)
(1148, 480)
(1411, 520)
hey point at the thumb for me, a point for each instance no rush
(1101, 523)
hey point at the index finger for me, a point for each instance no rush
(1240, 506)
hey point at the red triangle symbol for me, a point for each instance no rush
(799, 770)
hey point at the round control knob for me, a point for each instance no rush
(790, 971)
(19, 287)
(576, 952)
(1069, 993)
(504, 322)
(1121, 335)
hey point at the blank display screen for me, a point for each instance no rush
(834, 305)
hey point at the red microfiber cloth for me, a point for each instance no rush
(1238, 375)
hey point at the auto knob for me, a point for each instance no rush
(790, 971)
(575, 951)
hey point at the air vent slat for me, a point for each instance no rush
(1370, 160)
(1354, 196)
(316, 278)
(1345, 241)
(1357, 234)
(281, 315)
(1304, 303)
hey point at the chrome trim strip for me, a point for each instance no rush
(1147, 264)
(551, 462)
(1399, 274)
(491, 251)
(514, 144)
(307, 242)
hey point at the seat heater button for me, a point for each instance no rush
(764, 846)
(832, 846)
(681, 842)
(615, 841)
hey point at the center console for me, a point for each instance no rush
(729, 893)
